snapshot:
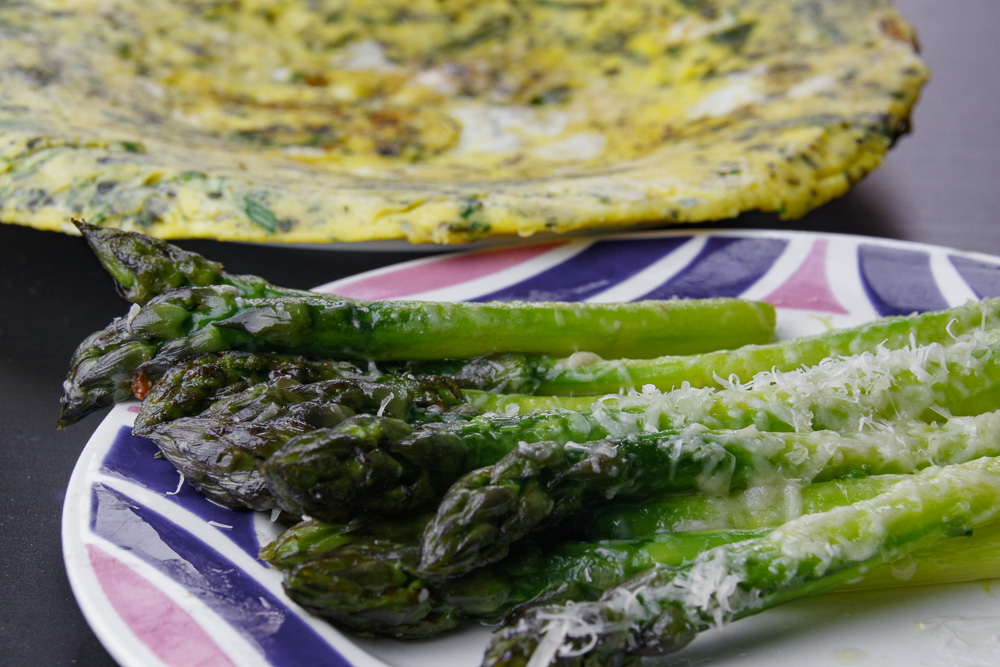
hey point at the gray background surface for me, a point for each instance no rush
(940, 185)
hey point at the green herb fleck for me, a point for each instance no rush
(735, 37)
(261, 215)
(703, 7)
(569, 4)
(490, 29)
(470, 207)
(674, 51)
(556, 95)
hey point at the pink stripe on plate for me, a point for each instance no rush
(155, 620)
(809, 288)
(440, 273)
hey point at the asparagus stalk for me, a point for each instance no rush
(190, 386)
(539, 485)
(219, 451)
(144, 266)
(927, 382)
(664, 608)
(316, 475)
(342, 473)
(752, 507)
(193, 320)
(371, 584)
(571, 571)
(847, 395)
(586, 373)
(242, 443)
(546, 572)
(193, 385)
(364, 586)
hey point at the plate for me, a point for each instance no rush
(165, 577)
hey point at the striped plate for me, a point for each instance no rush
(165, 577)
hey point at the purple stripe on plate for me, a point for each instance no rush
(131, 458)
(726, 266)
(589, 272)
(899, 281)
(982, 277)
(260, 617)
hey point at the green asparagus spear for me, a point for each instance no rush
(540, 485)
(730, 514)
(370, 584)
(219, 451)
(285, 429)
(586, 373)
(848, 395)
(144, 266)
(753, 507)
(190, 386)
(357, 576)
(927, 382)
(544, 572)
(664, 608)
(318, 474)
(309, 538)
(364, 586)
(342, 473)
(192, 320)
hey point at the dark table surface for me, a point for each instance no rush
(940, 185)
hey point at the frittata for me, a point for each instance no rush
(440, 121)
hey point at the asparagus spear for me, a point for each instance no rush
(144, 266)
(752, 507)
(544, 572)
(190, 386)
(927, 382)
(342, 473)
(730, 514)
(364, 585)
(586, 373)
(664, 608)
(221, 436)
(318, 475)
(192, 320)
(848, 395)
(540, 485)
(371, 584)
(219, 451)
